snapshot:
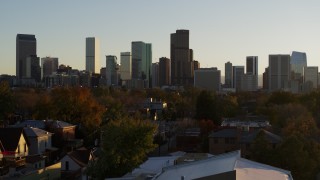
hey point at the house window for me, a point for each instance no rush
(36, 166)
(18, 148)
(39, 164)
(25, 147)
(67, 165)
(216, 140)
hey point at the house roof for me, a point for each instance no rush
(229, 132)
(246, 137)
(59, 124)
(81, 156)
(32, 123)
(35, 132)
(270, 137)
(10, 137)
(228, 162)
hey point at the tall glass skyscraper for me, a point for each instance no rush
(141, 61)
(298, 62)
(111, 70)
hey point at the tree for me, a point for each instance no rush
(125, 143)
(281, 97)
(206, 106)
(299, 156)
(261, 149)
(6, 100)
(77, 106)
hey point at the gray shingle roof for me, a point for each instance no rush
(224, 133)
(270, 137)
(35, 132)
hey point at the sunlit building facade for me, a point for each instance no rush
(92, 55)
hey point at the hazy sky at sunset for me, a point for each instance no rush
(220, 30)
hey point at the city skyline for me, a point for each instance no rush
(219, 31)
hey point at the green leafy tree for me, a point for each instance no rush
(125, 144)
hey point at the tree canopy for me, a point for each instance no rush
(125, 144)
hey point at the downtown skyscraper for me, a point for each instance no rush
(92, 55)
(111, 70)
(182, 70)
(141, 62)
(26, 46)
(164, 71)
(126, 66)
(250, 79)
(279, 72)
(48, 66)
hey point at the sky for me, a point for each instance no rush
(220, 30)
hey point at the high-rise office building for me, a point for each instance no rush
(92, 55)
(126, 66)
(298, 62)
(182, 70)
(265, 75)
(279, 72)
(208, 79)
(252, 65)
(111, 70)
(249, 82)
(196, 65)
(48, 66)
(141, 61)
(164, 71)
(252, 74)
(238, 72)
(228, 83)
(26, 45)
(32, 68)
(155, 75)
(310, 75)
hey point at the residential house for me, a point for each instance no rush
(224, 140)
(189, 140)
(249, 140)
(74, 164)
(14, 146)
(231, 139)
(64, 134)
(39, 140)
(63, 129)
